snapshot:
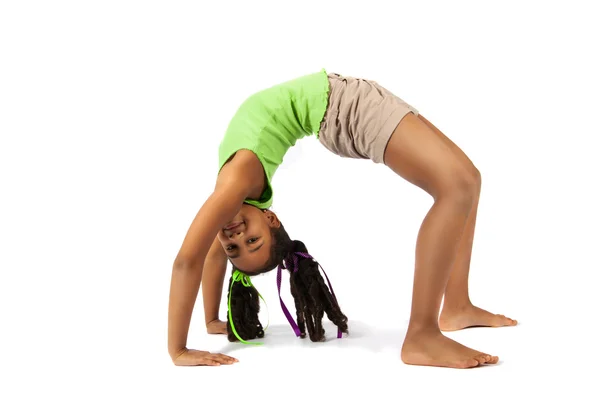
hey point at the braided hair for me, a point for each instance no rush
(312, 297)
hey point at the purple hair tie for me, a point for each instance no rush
(292, 267)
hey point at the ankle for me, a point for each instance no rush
(456, 305)
(422, 329)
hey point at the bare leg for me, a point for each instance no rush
(458, 312)
(418, 155)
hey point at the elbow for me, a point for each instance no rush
(182, 263)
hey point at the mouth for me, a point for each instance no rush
(232, 226)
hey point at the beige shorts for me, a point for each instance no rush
(360, 118)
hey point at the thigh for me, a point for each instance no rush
(419, 155)
(458, 151)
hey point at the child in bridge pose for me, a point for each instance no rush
(355, 118)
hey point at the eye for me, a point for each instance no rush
(229, 248)
(253, 240)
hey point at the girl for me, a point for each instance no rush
(355, 118)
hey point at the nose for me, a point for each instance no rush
(237, 230)
(233, 234)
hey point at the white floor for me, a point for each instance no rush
(111, 352)
(363, 368)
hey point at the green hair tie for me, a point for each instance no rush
(246, 282)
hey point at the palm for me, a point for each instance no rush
(217, 327)
(192, 357)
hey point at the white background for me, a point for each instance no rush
(110, 117)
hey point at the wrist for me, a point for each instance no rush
(209, 321)
(177, 352)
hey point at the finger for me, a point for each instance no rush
(209, 362)
(225, 359)
(214, 330)
(217, 330)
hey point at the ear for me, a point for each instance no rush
(272, 218)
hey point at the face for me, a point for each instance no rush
(246, 239)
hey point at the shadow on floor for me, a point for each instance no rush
(360, 335)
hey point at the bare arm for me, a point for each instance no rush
(240, 178)
(215, 268)
(220, 207)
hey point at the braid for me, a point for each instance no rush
(313, 298)
(244, 312)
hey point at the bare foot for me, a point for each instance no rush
(432, 348)
(471, 316)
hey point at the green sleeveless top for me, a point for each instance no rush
(270, 122)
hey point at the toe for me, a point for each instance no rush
(469, 363)
(493, 360)
(482, 359)
(502, 320)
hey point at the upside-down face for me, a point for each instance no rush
(247, 240)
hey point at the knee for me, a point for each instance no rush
(474, 180)
(462, 187)
(475, 176)
(468, 181)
